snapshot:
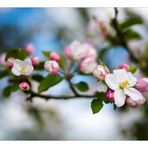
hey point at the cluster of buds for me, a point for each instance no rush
(52, 66)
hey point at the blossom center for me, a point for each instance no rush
(23, 68)
(124, 85)
(101, 74)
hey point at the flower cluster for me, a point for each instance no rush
(121, 87)
(85, 53)
(26, 67)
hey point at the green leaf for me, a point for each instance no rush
(82, 86)
(101, 96)
(96, 105)
(9, 89)
(48, 82)
(4, 73)
(46, 54)
(131, 35)
(130, 22)
(17, 53)
(132, 69)
(37, 77)
(62, 62)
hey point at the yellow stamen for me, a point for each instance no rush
(23, 68)
(124, 84)
(101, 74)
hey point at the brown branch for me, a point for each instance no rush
(48, 97)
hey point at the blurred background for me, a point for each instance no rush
(50, 30)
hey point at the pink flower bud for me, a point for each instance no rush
(10, 62)
(52, 67)
(142, 85)
(110, 95)
(134, 103)
(100, 72)
(24, 86)
(88, 65)
(124, 66)
(54, 56)
(35, 61)
(29, 48)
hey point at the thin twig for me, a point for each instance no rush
(47, 97)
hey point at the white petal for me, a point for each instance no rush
(134, 94)
(17, 63)
(15, 71)
(111, 81)
(29, 70)
(28, 62)
(119, 98)
(132, 79)
(121, 75)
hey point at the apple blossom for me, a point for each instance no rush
(79, 51)
(29, 48)
(122, 83)
(87, 65)
(142, 85)
(100, 72)
(35, 61)
(10, 62)
(22, 67)
(52, 67)
(54, 56)
(24, 86)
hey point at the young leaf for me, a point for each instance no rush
(17, 53)
(96, 105)
(37, 77)
(4, 73)
(82, 86)
(132, 69)
(48, 82)
(62, 61)
(46, 54)
(101, 96)
(130, 22)
(9, 89)
(131, 35)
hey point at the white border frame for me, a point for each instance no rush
(73, 3)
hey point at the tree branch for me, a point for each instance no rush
(48, 97)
